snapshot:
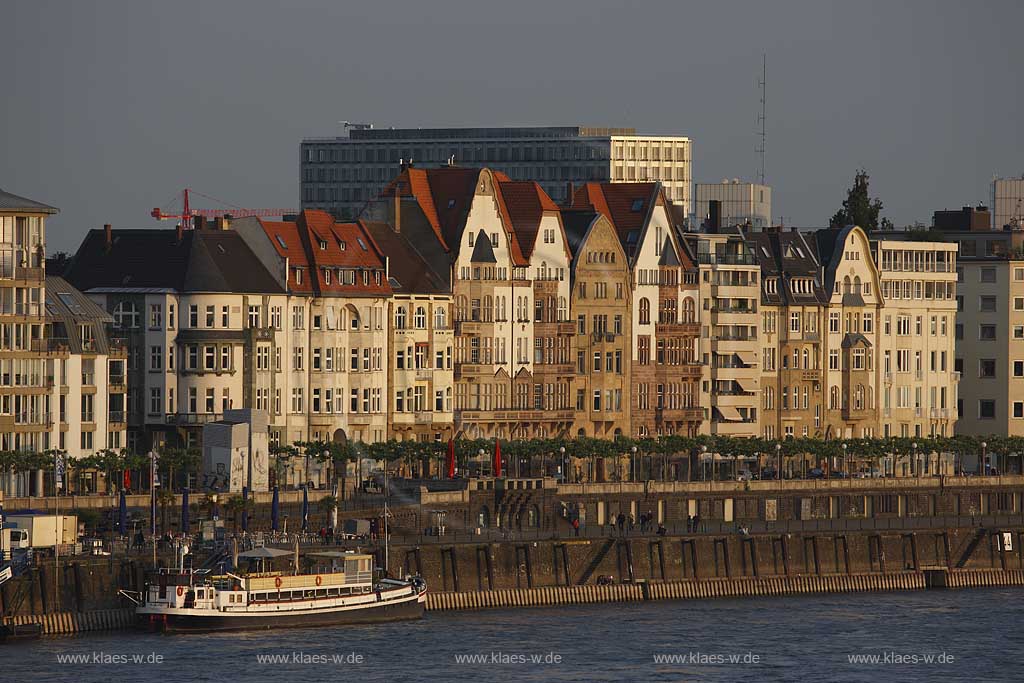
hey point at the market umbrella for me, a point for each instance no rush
(122, 515)
(305, 508)
(451, 459)
(275, 504)
(184, 511)
(497, 458)
(245, 508)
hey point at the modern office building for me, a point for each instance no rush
(739, 203)
(341, 174)
(1007, 202)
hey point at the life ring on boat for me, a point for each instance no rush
(319, 580)
(277, 582)
(181, 591)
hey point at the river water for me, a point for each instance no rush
(901, 636)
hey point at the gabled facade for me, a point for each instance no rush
(851, 374)
(793, 314)
(504, 245)
(665, 372)
(601, 302)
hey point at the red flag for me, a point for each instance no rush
(451, 459)
(497, 458)
(127, 479)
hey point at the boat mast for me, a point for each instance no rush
(386, 539)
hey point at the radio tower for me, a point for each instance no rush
(760, 117)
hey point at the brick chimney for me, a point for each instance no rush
(398, 207)
(108, 235)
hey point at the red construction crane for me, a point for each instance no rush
(187, 212)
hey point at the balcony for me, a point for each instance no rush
(186, 419)
(691, 370)
(940, 413)
(679, 414)
(810, 375)
(463, 327)
(88, 379)
(555, 368)
(744, 259)
(423, 417)
(691, 329)
(88, 416)
(424, 374)
(856, 414)
(603, 336)
(116, 380)
(116, 417)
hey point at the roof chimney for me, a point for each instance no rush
(108, 235)
(398, 208)
(570, 190)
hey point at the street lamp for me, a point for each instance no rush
(981, 462)
(845, 468)
(703, 454)
(778, 455)
(915, 465)
(563, 466)
(481, 453)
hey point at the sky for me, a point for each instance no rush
(111, 107)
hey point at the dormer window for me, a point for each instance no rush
(451, 203)
(327, 276)
(323, 245)
(341, 245)
(298, 276)
(638, 205)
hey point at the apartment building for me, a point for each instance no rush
(88, 382)
(851, 339)
(421, 343)
(729, 295)
(25, 364)
(202, 318)
(342, 174)
(989, 327)
(601, 303)
(916, 339)
(503, 242)
(336, 360)
(664, 368)
(793, 315)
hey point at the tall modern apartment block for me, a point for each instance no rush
(341, 174)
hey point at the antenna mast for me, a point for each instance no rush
(761, 116)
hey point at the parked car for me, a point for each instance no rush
(744, 475)
(816, 473)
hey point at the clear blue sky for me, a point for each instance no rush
(111, 107)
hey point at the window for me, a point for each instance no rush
(126, 315)
(987, 332)
(210, 316)
(254, 317)
(987, 275)
(833, 322)
(987, 304)
(193, 316)
(1018, 409)
(1018, 303)
(156, 316)
(986, 409)
(419, 319)
(987, 368)
(156, 357)
(645, 311)
(1018, 368)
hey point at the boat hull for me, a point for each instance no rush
(375, 613)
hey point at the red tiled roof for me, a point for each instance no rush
(348, 246)
(525, 203)
(616, 201)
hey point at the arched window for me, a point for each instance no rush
(419, 318)
(126, 315)
(400, 318)
(460, 307)
(833, 398)
(440, 317)
(847, 285)
(563, 309)
(856, 284)
(807, 358)
(645, 311)
(689, 311)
